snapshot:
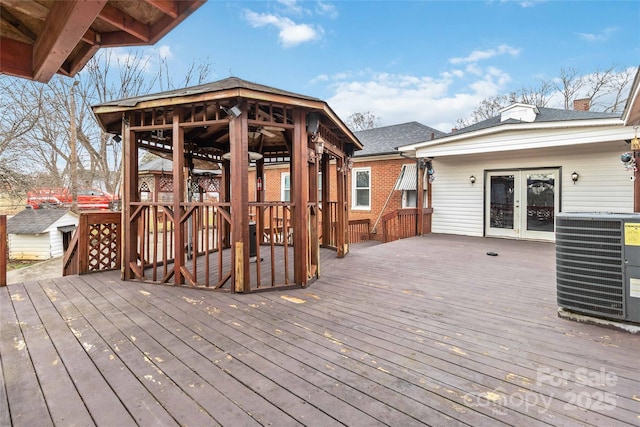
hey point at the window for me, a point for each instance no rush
(285, 187)
(361, 185)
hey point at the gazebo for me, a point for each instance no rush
(233, 244)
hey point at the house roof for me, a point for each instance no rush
(41, 38)
(568, 126)
(34, 221)
(545, 115)
(385, 139)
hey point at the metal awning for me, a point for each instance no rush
(407, 180)
(67, 228)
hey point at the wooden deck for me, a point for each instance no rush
(421, 331)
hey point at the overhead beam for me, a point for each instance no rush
(15, 58)
(66, 24)
(18, 26)
(167, 23)
(167, 7)
(126, 23)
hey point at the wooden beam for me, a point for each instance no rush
(66, 24)
(126, 23)
(16, 58)
(636, 183)
(178, 196)
(342, 220)
(168, 23)
(299, 196)
(85, 53)
(129, 194)
(239, 144)
(17, 25)
(167, 7)
(419, 198)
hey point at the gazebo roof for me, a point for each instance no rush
(205, 116)
(41, 38)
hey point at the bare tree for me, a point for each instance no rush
(607, 91)
(362, 121)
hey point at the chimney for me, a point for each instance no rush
(581, 104)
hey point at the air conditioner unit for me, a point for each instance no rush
(598, 264)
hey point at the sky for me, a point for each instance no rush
(426, 61)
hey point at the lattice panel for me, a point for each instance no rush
(145, 185)
(103, 247)
(166, 184)
(209, 184)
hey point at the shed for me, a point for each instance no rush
(40, 234)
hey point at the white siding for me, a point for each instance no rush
(29, 246)
(55, 238)
(603, 186)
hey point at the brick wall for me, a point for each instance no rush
(384, 174)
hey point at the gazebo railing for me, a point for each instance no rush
(206, 230)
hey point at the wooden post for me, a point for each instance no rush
(314, 214)
(300, 196)
(225, 196)
(3, 250)
(636, 183)
(259, 198)
(326, 195)
(83, 244)
(342, 207)
(239, 142)
(419, 198)
(178, 197)
(129, 194)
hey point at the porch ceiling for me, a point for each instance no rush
(41, 38)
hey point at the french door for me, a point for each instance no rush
(522, 204)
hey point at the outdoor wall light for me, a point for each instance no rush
(116, 138)
(574, 177)
(233, 111)
(472, 179)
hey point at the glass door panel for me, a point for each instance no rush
(502, 197)
(541, 203)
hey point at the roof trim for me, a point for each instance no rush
(509, 127)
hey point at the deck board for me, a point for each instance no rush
(422, 331)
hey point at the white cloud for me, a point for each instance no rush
(164, 51)
(291, 6)
(598, 37)
(481, 55)
(326, 9)
(291, 34)
(434, 101)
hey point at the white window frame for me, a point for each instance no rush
(283, 180)
(354, 198)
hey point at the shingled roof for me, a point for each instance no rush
(34, 221)
(385, 139)
(229, 83)
(544, 115)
